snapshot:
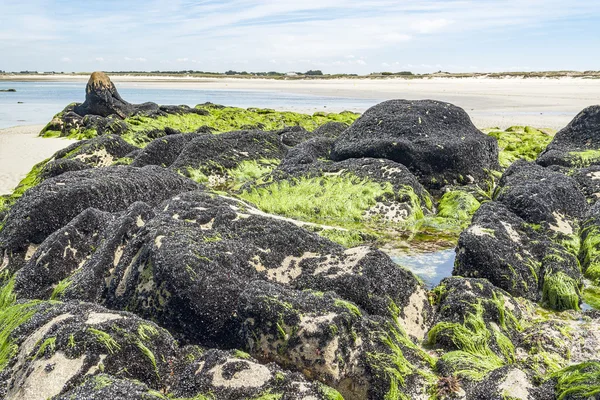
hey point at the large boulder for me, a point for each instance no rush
(103, 99)
(577, 144)
(187, 267)
(436, 141)
(54, 345)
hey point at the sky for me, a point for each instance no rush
(335, 36)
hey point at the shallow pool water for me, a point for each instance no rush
(430, 267)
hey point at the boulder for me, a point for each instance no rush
(49, 206)
(101, 151)
(588, 180)
(576, 145)
(57, 345)
(513, 383)
(512, 255)
(163, 151)
(217, 160)
(541, 196)
(236, 375)
(436, 141)
(475, 325)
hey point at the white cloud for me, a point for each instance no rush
(66, 60)
(138, 59)
(182, 59)
(100, 59)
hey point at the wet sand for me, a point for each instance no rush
(20, 149)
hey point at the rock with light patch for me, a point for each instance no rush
(511, 254)
(61, 344)
(188, 272)
(236, 375)
(331, 340)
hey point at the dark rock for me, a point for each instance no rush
(577, 144)
(163, 151)
(57, 167)
(541, 196)
(236, 375)
(57, 344)
(88, 244)
(52, 204)
(475, 325)
(435, 140)
(308, 152)
(214, 155)
(589, 182)
(102, 98)
(293, 135)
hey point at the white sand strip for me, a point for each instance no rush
(21, 149)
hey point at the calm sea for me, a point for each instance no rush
(37, 102)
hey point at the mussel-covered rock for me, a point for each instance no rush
(437, 141)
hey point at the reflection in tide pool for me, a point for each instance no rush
(431, 267)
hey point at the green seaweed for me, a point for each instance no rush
(591, 296)
(580, 381)
(33, 178)
(241, 354)
(106, 340)
(560, 292)
(519, 142)
(329, 393)
(474, 357)
(60, 288)
(589, 253)
(584, 158)
(349, 306)
(12, 315)
(347, 238)
(458, 205)
(338, 200)
(148, 353)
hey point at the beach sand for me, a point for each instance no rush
(20, 149)
(540, 102)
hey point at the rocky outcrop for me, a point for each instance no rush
(103, 99)
(576, 145)
(435, 140)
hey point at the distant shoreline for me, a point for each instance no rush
(194, 77)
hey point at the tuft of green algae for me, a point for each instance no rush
(520, 142)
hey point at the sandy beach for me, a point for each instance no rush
(540, 102)
(20, 149)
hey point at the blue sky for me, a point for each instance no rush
(348, 36)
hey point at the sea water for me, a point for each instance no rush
(431, 267)
(37, 102)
